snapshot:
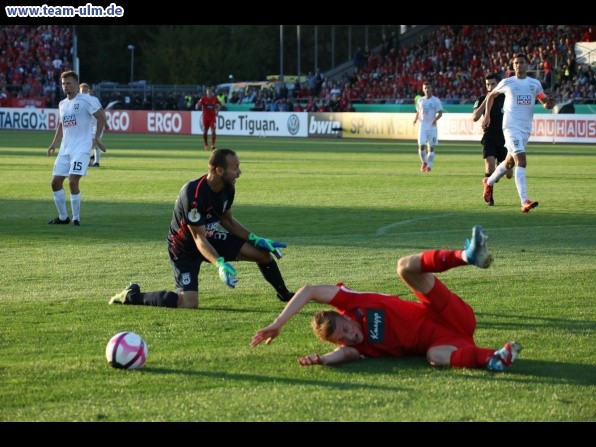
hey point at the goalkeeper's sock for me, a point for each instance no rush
(162, 298)
(437, 261)
(273, 276)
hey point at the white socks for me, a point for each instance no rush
(60, 201)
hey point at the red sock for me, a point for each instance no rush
(471, 357)
(436, 261)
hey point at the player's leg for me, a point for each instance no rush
(466, 354)
(75, 198)
(417, 270)
(267, 265)
(78, 169)
(213, 135)
(501, 155)
(422, 149)
(520, 174)
(512, 145)
(489, 153)
(132, 295)
(59, 174)
(205, 132)
(186, 279)
(433, 142)
(97, 155)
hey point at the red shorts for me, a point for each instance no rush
(455, 318)
(208, 123)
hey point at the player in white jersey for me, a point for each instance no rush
(95, 151)
(77, 114)
(428, 111)
(521, 93)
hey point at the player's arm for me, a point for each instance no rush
(57, 137)
(321, 294)
(489, 100)
(101, 122)
(199, 236)
(341, 354)
(262, 243)
(416, 116)
(478, 110)
(438, 117)
(229, 222)
(546, 101)
(103, 112)
(227, 272)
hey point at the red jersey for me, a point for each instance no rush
(209, 106)
(395, 327)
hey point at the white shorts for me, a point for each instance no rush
(428, 136)
(66, 165)
(516, 140)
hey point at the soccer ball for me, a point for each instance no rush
(126, 350)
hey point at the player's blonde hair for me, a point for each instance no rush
(324, 324)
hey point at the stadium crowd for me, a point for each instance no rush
(455, 57)
(31, 61)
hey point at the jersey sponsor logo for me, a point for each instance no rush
(219, 235)
(211, 228)
(524, 100)
(69, 120)
(375, 319)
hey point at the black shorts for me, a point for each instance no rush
(186, 269)
(491, 149)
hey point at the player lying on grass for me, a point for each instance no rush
(370, 324)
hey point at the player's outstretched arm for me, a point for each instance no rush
(321, 294)
(340, 355)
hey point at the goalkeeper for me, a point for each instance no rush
(203, 229)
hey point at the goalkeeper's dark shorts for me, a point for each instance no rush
(186, 268)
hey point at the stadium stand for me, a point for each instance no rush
(455, 57)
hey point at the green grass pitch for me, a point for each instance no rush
(347, 210)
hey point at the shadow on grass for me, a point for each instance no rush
(554, 372)
(532, 322)
(526, 371)
(369, 368)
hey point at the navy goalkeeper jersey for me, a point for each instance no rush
(196, 205)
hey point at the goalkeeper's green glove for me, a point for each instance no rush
(227, 272)
(266, 244)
